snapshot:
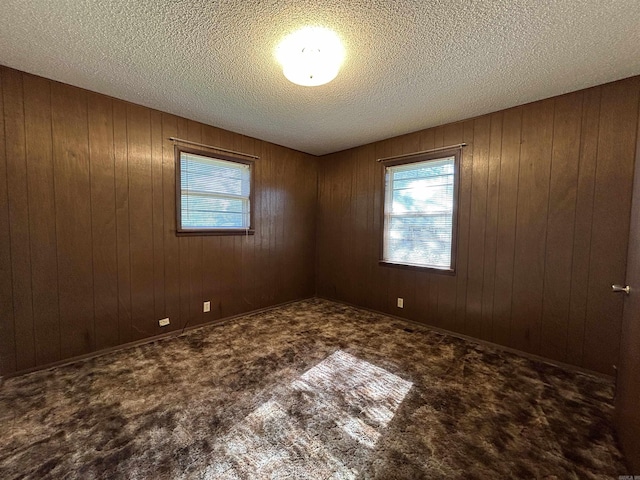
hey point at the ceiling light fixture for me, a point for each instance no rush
(311, 56)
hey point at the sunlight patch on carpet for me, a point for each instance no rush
(317, 426)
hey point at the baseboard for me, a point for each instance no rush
(144, 341)
(221, 321)
(497, 346)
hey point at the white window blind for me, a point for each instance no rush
(214, 193)
(418, 219)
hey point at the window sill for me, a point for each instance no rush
(230, 231)
(405, 266)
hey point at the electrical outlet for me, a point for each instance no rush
(206, 307)
(400, 302)
(164, 322)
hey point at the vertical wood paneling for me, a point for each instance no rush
(261, 226)
(89, 256)
(268, 222)
(464, 219)
(330, 256)
(248, 242)
(89, 225)
(345, 249)
(368, 244)
(541, 201)
(477, 225)
(73, 219)
(170, 241)
(284, 226)
(183, 242)
(447, 284)
(506, 227)
(7, 330)
(381, 274)
(560, 225)
(348, 222)
(583, 224)
(611, 210)
(276, 231)
(42, 218)
(531, 225)
(18, 202)
(140, 221)
(491, 227)
(308, 232)
(103, 220)
(359, 225)
(157, 217)
(121, 172)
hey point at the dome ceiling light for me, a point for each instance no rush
(311, 56)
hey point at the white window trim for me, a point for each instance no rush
(456, 153)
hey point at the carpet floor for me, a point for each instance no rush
(313, 389)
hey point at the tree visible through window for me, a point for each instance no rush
(420, 211)
(214, 193)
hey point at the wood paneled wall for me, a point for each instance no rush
(89, 258)
(542, 230)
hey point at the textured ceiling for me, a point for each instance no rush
(409, 65)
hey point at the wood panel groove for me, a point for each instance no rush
(491, 219)
(73, 217)
(102, 175)
(531, 220)
(477, 227)
(42, 228)
(157, 182)
(18, 202)
(537, 347)
(122, 221)
(464, 219)
(7, 327)
(171, 247)
(561, 225)
(574, 224)
(590, 124)
(90, 199)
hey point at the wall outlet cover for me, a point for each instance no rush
(206, 307)
(400, 302)
(164, 322)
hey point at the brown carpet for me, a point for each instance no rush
(312, 390)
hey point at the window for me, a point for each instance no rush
(213, 193)
(420, 211)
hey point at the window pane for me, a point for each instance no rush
(214, 193)
(231, 179)
(195, 219)
(420, 240)
(419, 203)
(195, 203)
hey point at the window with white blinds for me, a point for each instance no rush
(214, 193)
(419, 213)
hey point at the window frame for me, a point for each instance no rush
(180, 231)
(456, 153)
